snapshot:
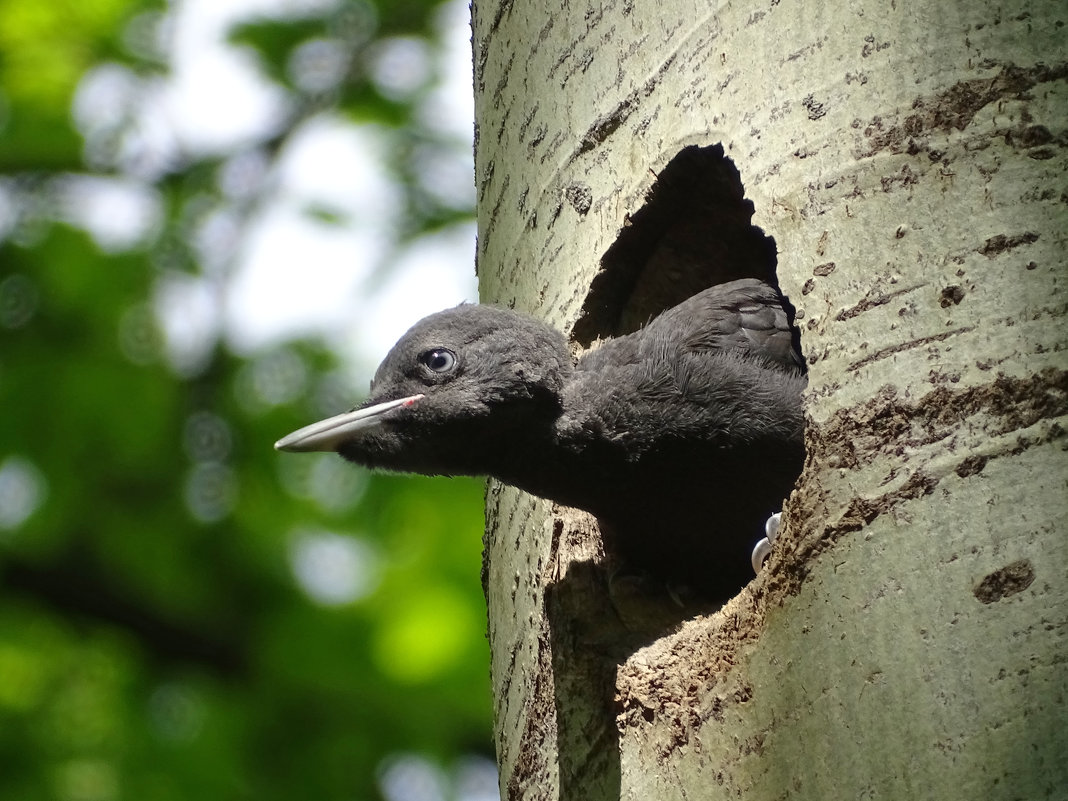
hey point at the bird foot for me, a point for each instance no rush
(763, 547)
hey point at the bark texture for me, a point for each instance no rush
(908, 637)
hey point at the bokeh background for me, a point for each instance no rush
(215, 218)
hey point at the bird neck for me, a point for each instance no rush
(527, 455)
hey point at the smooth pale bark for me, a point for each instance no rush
(908, 638)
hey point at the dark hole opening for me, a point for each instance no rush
(694, 231)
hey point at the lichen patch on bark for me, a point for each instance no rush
(891, 422)
(1009, 580)
(915, 443)
(953, 109)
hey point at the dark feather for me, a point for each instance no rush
(682, 438)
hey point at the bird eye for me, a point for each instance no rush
(439, 360)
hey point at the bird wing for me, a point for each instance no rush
(719, 366)
(746, 318)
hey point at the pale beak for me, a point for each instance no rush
(328, 434)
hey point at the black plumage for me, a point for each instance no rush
(681, 438)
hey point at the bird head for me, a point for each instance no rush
(450, 394)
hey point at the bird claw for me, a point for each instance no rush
(763, 547)
(771, 526)
(760, 553)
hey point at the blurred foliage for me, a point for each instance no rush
(185, 613)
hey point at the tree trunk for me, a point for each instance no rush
(907, 637)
